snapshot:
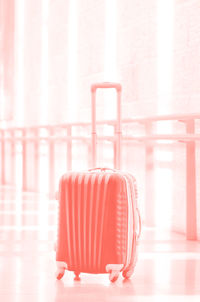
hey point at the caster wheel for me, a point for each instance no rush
(113, 276)
(127, 273)
(113, 279)
(77, 277)
(59, 274)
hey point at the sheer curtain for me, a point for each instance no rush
(6, 59)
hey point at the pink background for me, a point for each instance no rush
(51, 52)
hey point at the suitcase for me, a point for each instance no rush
(99, 222)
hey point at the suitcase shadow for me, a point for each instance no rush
(78, 290)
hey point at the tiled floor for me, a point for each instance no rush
(168, 268)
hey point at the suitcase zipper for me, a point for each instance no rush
(130, 222)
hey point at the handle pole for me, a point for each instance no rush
(118, 132)
(94, 134)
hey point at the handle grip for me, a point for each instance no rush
(118, 88)
(139, 224)
(95, 86)
(103, 170)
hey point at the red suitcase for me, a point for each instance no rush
(99, 222)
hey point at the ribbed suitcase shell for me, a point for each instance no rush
(95, 216)
(98, 214)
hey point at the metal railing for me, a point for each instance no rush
(189, 138)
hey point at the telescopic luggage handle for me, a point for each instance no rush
(118, 131)
(95, 86)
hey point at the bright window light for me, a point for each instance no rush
(44, 64)
(162, 155)
(162, 264)
(43, 218)
(110, 57)
(72, 61)
(110, 63)
(19, 59)
(163, 197)
(165, 25)
(18, 277)
(163, 177)
(2, 100)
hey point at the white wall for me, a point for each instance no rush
(151, 47)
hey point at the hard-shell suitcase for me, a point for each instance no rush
(99, 222)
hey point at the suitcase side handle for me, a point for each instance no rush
(139, 224)
(118, 131)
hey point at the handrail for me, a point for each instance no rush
(140, 119)
(173, 137)
(11, 136)
(143, 120)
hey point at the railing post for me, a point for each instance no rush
(36, 157)
(2, 157)
(69, 148)
(149, 179)
(191, 219)
(13, 154)
(51, 165)
(24, 161)
(115, 148)
(89, 148)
